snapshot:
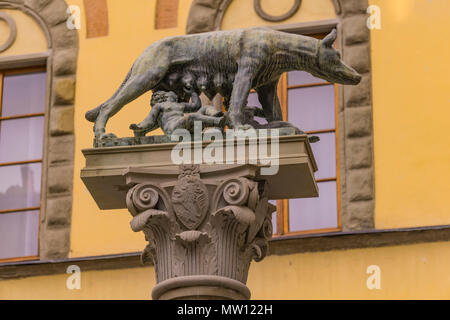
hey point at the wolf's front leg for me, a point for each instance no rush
(241, 89)
(99, 126)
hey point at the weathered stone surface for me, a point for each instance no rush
(64, 91)
(55, 243)
(360, 184)
(58, 211)
(38, 4)
(201, 20)
(60, 149)
(54, 12)
(17, 1)
(358, 121)
(59, 180)
(358, 153)
(200, 233)
(359, 216)
(65, 62)
(213, 4)
(360, 94)
(355, 29)
(358, 56)
(61, 120)
(350, 7)
(63, 37)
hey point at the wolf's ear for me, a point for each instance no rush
(329, 39)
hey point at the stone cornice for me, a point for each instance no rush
(278, 246)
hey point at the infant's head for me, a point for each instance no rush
(163, 96)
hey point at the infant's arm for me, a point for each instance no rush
(150, 122)
(193, 106)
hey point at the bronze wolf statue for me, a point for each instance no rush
(230, 63)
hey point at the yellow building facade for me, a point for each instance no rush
(394, 229)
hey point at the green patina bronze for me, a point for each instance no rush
(229, 63)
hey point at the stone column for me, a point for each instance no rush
(202, 233)
(204, 223)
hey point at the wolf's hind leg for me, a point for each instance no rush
(267, 96)
(239, 96)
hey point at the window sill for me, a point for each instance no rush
(281, 245)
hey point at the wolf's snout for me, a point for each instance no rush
(351, 76)
(357, 79)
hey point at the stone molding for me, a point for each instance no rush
(12, 31)
(266, 16)
(206, 287)
(278, 246)
(206, 15)
(354, 105)
(57, 165)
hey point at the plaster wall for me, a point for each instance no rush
(411, 113)
(418, 271)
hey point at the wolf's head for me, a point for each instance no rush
(329, 65)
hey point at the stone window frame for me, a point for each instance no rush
(354, 102)
(60, 61)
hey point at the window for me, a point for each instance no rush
(22, 113)
(310, 104)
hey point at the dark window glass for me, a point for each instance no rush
(21, 139)
(312, 108)
(302, 78)
(19, 233)
(23, 94)
(22, 107)
(325, 155)
(20, 186)
(315, 213)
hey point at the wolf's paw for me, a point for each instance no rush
(243, 127)
(138, 131)
(104, 136)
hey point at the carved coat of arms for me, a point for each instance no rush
(190, 197)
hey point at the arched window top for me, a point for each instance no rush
(242, 14)
(20, 34)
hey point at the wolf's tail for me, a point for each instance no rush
(92, 115)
